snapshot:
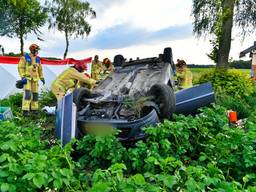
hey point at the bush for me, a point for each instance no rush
(47, 98)
(100, 151)
(15, 102)
(244, 106)
(233, 82)
(191, 153)
(28, 165)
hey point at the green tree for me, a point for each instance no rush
(217, 17)
(69, 16)
(19, 18)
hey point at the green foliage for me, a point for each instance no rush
(232, 82)
(244, 106)
(190, 153)
(100, 151)
(26, 161)
(19, 18)
(15, 102)
(11, 54)
(47, 98)
(70, 17)
(240, 64)
(213, 55)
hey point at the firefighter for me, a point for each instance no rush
(96, 68)
(184, 75)
(70, 79)
(30, 71)
(107, 67)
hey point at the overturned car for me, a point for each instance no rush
(138, 93)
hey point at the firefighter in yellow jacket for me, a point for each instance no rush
(30, 71)
(70, 79)
(184, 75)
(96, 68)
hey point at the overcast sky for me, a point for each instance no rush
(134, 28)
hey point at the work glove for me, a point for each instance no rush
(24, 80)
(43, 81)
(92, 83)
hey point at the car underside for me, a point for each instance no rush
(139, 93)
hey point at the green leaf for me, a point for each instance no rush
(3, 157)
(151, 159)
(28, 176)
(14, 167)
(5, 147)
(202, 158)
(66, 172)
(4, 187)
(57, 183)
(117, 167)
(168, 180)
(139, 179)
(38, 180)
(100, 187)
(4, 173)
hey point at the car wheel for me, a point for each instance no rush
(164, 97)
(78, 95)
(119, 61)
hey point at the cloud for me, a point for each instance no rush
(116, 37)
(124, 35)
(189, 49)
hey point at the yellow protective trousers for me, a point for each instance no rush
(30, 96)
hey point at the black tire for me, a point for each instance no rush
(119, 61)
(78, 95)
(167, 56)
(164, 97)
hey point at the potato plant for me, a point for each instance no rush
(189, 153)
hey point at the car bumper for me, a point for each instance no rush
(129, 130)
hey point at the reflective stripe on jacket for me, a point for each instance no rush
(30, 67)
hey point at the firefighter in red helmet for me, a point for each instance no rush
(70, 79)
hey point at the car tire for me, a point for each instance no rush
(119, 61)
(167, 56)
(78, 95)
(164, 97)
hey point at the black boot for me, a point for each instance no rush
(25, 113)
(34, 113)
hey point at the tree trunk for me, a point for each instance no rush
(226, 33)
(21, 44)
(67, 45)
(21, 36)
